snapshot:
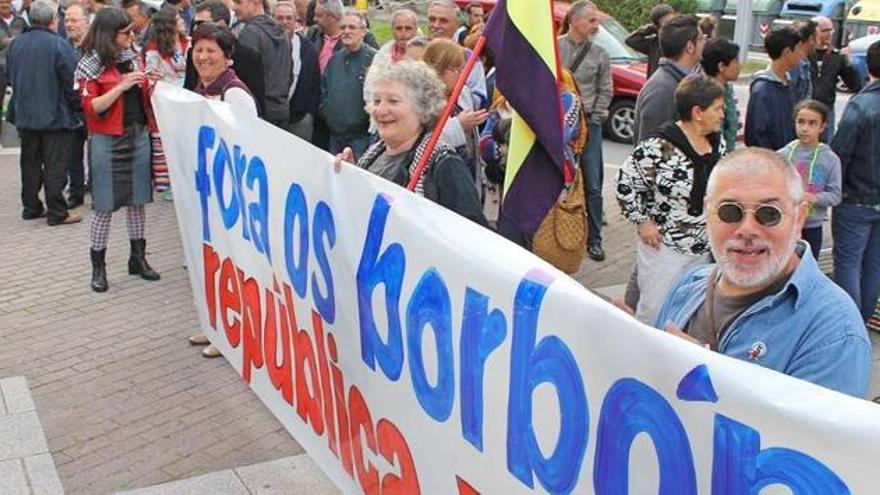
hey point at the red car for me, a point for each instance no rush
(628, 69)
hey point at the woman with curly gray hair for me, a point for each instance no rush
(404, 101)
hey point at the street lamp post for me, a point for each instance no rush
(742, 31)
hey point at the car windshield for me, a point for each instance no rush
(611, 38)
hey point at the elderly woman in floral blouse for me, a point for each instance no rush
(661, 187)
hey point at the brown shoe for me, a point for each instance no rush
(69, 219)
(199, 339)
(211, 352)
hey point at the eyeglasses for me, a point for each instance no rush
(766, 215)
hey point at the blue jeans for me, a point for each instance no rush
(828, 135)
(358, 144)
(593, 168)
(856, 232)
(813, 236)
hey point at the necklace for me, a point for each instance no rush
(812, 160)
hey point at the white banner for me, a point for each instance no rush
(411, 351)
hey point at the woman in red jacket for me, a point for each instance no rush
(115, 98)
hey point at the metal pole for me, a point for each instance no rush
(742, 31)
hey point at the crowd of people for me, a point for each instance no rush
(728, 240)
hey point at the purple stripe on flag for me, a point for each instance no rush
(525, 80)
(534, 191)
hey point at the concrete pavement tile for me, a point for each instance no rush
(221, 482)
(3, 411)
(295, 475)
(43, 475)
(612, 291)
(16, 395)
(12, 478)
(21, 436)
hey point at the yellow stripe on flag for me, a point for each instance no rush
(521, 141)
(534, 19)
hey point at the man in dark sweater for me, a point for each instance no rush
(827, 66)
(682, 45)
(305, 87)
(40, 65)
(769, 116)
(646, 39)
(342, 89)
(264, 34)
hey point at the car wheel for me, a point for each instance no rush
(621, 118)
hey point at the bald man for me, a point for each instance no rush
(827, 66)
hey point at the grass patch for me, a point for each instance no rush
(753, 65)
(381, 30)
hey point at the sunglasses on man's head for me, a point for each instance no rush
(766, 215)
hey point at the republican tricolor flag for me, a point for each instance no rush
(520, 33)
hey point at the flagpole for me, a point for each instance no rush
(447, 112)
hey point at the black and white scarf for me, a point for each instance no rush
(414, 157)
(90, 65)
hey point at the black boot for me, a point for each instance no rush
(99, 272)
(137, 263)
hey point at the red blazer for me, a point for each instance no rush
(110, 121)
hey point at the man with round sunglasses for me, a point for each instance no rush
(765, 300)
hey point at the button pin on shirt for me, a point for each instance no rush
(757, 350)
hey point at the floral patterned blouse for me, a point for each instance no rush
(655, 183)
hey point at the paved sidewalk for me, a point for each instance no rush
(296, 475)
(26, 466)
(125, 402)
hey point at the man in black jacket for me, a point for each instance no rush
(245, 60)
(264, 34)
(646, 39)
(827, 66)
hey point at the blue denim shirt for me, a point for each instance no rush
(857, 143)
(810, 329)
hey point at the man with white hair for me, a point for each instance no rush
(76, 22)
(766, 301)
(443, 23)
(404, 27)
(40, 65)
(342, 89)
(305, 87)
(326, 32)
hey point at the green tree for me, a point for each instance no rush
(635, 13)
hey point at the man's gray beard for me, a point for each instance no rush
(759, 280)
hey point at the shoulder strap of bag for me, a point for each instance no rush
(580, 57)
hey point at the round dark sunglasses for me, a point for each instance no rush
(766, 215)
